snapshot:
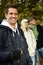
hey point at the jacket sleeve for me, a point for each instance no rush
(25, 50)
(5, 54)
(28, 58)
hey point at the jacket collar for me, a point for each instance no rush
(5, 23)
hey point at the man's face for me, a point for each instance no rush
(33, 22)
(12, 15)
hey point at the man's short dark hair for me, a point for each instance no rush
(10, 6)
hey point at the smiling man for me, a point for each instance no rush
(13, 47)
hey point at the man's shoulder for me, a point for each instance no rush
(2, 27)
(3, 30)
(40, 28)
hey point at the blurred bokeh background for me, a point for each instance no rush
(26, 8)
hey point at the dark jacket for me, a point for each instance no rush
(40, 37)
(9, 47)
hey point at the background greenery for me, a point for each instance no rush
(26, 8)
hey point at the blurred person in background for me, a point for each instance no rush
(30, 38)
(38, 32)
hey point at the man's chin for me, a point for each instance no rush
(13, 23)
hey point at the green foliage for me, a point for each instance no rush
(26, 8)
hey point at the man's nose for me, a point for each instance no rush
(13, 15)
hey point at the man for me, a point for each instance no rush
(12, 47)
(38, 32)
(33, 26)
(30, 39)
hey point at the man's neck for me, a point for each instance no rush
(13, 26)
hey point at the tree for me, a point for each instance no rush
(26, 8)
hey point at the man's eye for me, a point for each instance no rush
(11, 13)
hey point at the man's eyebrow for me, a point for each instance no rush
(13, 13)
